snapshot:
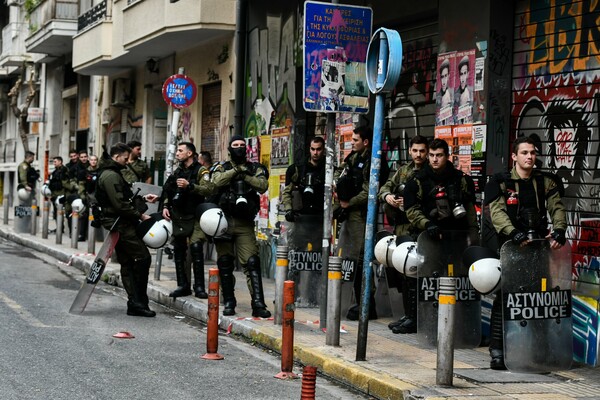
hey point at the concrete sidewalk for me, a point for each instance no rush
(396, 367)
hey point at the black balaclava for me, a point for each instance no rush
(238, 155)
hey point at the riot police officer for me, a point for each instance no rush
(114, 197)
(441, 197)
(239, 183)
(519, 202)
(27, 174)
(185, 189)
(392, 196)
(137, 170)
(352, 192)
(60, 184)
(304, 184)
(303, 202)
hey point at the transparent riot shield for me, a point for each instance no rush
(349, 249)
(444, 258)
(146, 188)
(305, 242)
(536, 307)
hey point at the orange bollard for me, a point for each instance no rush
(212, 331)
(309, 381)
(287, 333)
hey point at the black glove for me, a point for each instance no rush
(433, 231)
(518, 237)
(560, 236)
(290, 216)
(340, 214)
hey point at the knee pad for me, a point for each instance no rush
(225, 263)
(253, 263)
(197, 247)
(180, 249)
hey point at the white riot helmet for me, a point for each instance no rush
(484, 269)
(406, 259)
(46, 192)
(212, 220)
(60, 200)
(168, 225)
(154, 233)
(78, 206)
(23, 194)
(384, 248)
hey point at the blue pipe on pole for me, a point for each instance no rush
(367, 281)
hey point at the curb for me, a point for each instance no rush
(373, 383)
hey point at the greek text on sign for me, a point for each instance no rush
(336, 39)
(306, 261)
(429, 289)
(179, 91)
(537, 305)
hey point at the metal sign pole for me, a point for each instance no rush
(384, 60)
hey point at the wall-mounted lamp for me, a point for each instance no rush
(152, 65)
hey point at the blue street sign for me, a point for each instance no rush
(336, 39)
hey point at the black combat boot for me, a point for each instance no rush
(139, 306)
(496, 337)
(198, 264)
(183, 285)
(225, 265)
(259, 308)
(409, 298)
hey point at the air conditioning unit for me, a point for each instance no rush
(121, 95)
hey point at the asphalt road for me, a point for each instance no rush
(47, 353)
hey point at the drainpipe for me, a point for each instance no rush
(240, 63)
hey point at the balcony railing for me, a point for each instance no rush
(12, 41)
(99, 12)
(49, 10)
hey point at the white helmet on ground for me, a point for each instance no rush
(212, 220)
(406, 259)
(46, 192)
(484, 269)
(78, 206)
(154, 233)
(23, 194)
(384, 248)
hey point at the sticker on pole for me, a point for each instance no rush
(336, 38)
(179, 91)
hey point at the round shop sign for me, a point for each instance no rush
(179, 91)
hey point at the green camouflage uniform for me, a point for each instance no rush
(114, 197)
(402, 176)
(136, 171)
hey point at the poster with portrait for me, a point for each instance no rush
(463, 86)
(444, 95)
(280, 147)
(332, 84)
(252, 149)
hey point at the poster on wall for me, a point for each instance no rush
(444, 96)
(479, 138)
(445, 133)
(280, 147)
(265, 151)
(464, 81)
(462, 136)
(479, 73)
(252, 149)
(344, 132)
(336, 39)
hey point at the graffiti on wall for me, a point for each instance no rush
(556, 91)
(272, 71)
(412, 103)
